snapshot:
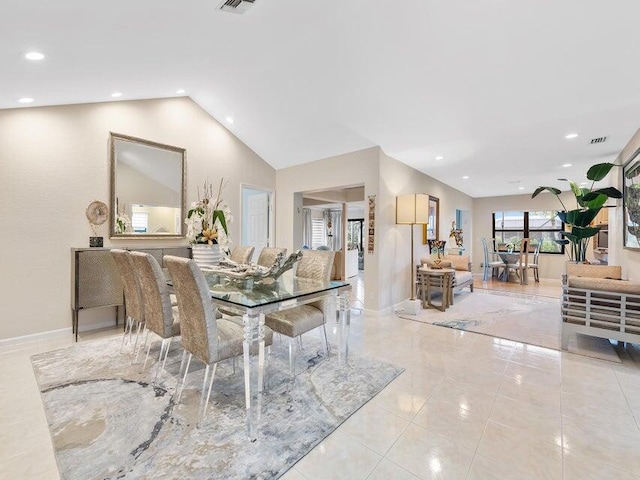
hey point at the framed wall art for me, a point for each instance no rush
(631, 202)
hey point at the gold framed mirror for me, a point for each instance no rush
(431, 230)
(148, 185)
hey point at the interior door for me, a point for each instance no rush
(258, 221)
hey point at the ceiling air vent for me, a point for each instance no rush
(598, 140)
(236, 6)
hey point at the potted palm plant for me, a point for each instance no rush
(589, 201)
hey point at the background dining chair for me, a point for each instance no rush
(132, 295)
(242, 254)
(522, 265)
(209, 339)
(535, 249)
(314, 265)
(268, 256)
(492, 261)
(159, 315)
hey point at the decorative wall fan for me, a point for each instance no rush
(97, 213)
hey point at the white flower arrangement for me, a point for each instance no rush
(123, 223)
(208, 218)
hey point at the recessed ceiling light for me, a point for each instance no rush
(439, 157)
(566, 165)
(25, 100)
(584, 183)
(229, 120)
(520, 188)
(180, 91)
(34, 56)
(466, 177)
(116, 94)
(570, 136)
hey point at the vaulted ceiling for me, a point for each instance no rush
(492, 86)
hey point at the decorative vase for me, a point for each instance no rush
(206, 255)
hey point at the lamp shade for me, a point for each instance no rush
(412, 208)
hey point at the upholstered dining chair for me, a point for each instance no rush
(535, 249)
(209, 339)
(522, 265)
(492, 262)
(242, 254)
(268, 256)
(160, 316)
(314, 265)
(132, 295)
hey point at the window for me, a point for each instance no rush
(140, 222)
(318, 237)
(541, 227)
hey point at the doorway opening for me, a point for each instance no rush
(256, 206)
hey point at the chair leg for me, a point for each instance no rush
(127, 329)
(135, 345)
(300, 342)
(164, 351)
(145, 332)
(292, 356)
(184, 357)
(326, 341)
(206, 392)
(184, 377)
(144, 365)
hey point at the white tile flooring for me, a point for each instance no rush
(467, 406)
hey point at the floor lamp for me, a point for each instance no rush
(412, 209)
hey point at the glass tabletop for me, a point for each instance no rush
(252, 294)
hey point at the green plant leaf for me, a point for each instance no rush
(597, 202)
(575, 188)
(564, 241)
(539, 190)
(219, 215)
(579, 217)
(610, 192)
(584, 232)
(599, 171)
(570, 236)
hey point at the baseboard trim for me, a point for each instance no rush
(33, 337)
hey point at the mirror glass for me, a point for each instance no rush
(147, 188)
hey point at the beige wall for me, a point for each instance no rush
(551, 266)
(618, 255)
(387, 271)
(357, 168)
(54, 162)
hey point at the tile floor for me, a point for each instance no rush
(467, 406)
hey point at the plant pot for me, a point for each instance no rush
(206, 255)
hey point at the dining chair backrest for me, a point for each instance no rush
(524, 252)
(485, 250)
(158, 314)
(198, 326)
(242, 254)
(268, 256)
(132, 294)
(315, 265)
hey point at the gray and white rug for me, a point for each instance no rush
(108, 422)
(530, 319)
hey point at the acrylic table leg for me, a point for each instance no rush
(344, 326)
(253, 377)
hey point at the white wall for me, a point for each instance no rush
(551, 266)
(618, 255)
(54, 162)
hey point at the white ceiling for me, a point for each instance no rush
(491, 85)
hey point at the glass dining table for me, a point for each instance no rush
(253, 301)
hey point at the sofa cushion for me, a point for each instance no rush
(463, 277)
(429, 263)
(604, 284)
(593, 271)
(459, 262)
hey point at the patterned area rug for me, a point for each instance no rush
(527, 319)
(108, 422)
